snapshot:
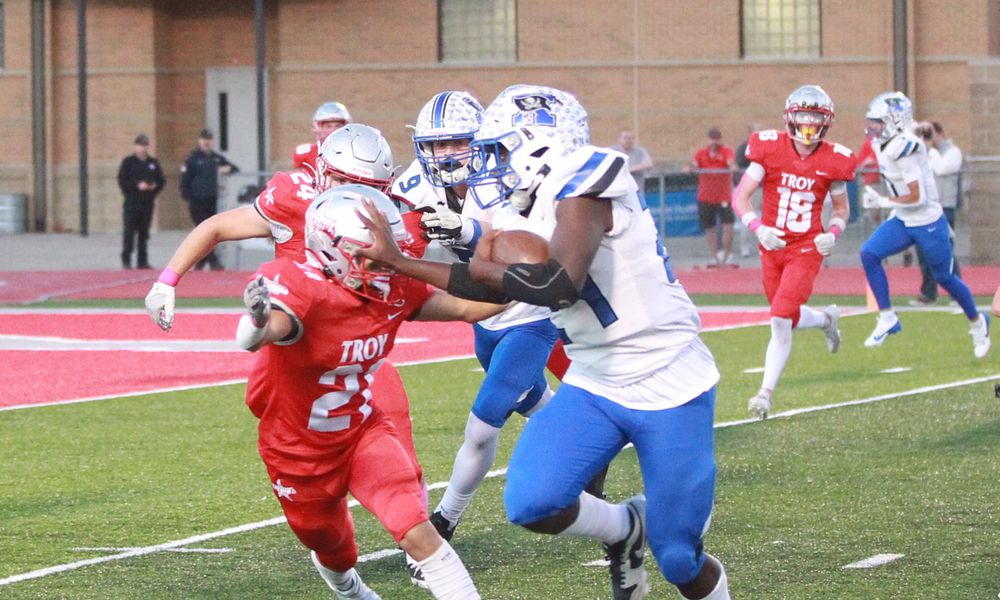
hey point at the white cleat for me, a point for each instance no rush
(832, 329)
(760, 406)
(980, 332)
(884, 327)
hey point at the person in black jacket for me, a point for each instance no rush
(140, 179)
(200, 186)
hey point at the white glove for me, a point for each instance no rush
(160, 305)
(870, 198)
(824, 243)
(257, 301)
(770, 237)
(446, 226)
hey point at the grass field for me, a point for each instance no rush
(798, 498)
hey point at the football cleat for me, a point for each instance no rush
(980, 332)
(445, 528)
(760, 405)
(352, 589)
(628, 576)
(884, 327)
(416, 573)
(832, 328)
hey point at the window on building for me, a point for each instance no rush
(775, 28)
(477, 30)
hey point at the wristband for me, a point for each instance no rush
(837, 226)
(751, 221)
(169, 277)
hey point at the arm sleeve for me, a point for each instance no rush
(186, 177)
(158, 177)
(126, 184)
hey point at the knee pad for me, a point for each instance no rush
(781, 329)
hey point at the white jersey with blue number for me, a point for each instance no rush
(633, 323)
(904, 159)
(412, 185)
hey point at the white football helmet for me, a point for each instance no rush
(448, 116)
(333, 231)
(808, 114)
(354, 153)
(523, 129)
(331, 111)
(895, 113)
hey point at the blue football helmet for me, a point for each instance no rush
(523, 129)
(447, 117)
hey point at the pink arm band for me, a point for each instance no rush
(754, 225)
(169, 277)
(835, 230)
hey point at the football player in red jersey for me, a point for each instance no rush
(323, 327)
(329, 117)
(797, 168)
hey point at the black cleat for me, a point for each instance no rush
(628, 576)
(444, 527)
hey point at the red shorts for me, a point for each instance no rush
(788, 276)
(389, 394)
(376, 470)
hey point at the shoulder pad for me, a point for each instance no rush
(901, 146)
(591, 171)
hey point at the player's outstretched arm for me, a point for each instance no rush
(445, 307)
(385, 251)
(236, 224)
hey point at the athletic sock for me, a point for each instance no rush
(472, 462)
(446, 576)
(809, 317)
(600, 520)
(778, 350)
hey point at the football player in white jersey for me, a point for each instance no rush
(916, 219)
(640, 372)
(513, 346)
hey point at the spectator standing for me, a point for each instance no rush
(200, 186)
(715, 165)
(639, 160)
(140, 179)
(945, 160)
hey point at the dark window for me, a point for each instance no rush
(477, 30)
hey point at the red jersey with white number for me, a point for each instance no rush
(283, 203)
(305, 157)
(312, 392)
(795, 187)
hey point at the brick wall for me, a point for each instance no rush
(984, 208)
(657, 66)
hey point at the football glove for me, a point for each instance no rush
(160, 305)
(871, 199)
(770, 237)
(257, 301)
(447, 227)
(825, 242)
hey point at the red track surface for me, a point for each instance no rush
(45, 375)
(29, 287)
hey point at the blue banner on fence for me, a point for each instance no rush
(678, 216)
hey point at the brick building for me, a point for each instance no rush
(668, 69)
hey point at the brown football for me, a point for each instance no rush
(516, 246)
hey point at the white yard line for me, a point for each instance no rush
(441, 484)
(874, 561)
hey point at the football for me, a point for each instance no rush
(517, 246)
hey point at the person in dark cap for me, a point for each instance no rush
(200, 186)
(140, 179)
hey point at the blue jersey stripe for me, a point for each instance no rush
(586, 171)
